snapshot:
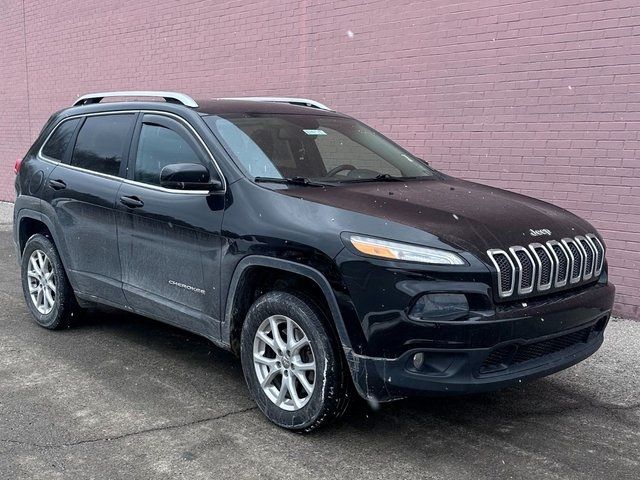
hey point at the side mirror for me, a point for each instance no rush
(188, 176)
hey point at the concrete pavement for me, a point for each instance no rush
(6, 216)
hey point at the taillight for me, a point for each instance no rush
(17, 165)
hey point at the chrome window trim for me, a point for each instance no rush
(541, 286)
(586, 275)
(559, 283)
(593, 238)
(502, 293)
(42, 155)
(518, 248)
(126, 180)
(182, 98)
(566, 241)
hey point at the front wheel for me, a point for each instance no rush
(292, 364)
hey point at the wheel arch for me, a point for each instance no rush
(233, 315)
(29, 222)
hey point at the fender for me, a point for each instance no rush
(19, 214)
(58, 240)
(293, 267)
(23, 213)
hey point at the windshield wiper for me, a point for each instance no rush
(383, 177)
(304, 181)
(387, 178)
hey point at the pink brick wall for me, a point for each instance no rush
(540, 97)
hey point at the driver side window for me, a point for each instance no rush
(159, 146)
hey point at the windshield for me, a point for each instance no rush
(318, 147)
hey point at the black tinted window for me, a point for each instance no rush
(158, 147)
(57, 144)
(102, 143)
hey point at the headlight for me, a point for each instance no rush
(377, 247)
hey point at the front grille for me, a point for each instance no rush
(538, 267)
(547, 347)
(510, 355)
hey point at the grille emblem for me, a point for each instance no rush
(538, 233)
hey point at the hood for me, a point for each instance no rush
(468, 215)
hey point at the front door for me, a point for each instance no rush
(169, 240)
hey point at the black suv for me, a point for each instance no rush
(326, 256)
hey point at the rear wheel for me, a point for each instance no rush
(46, 288)
(292, 364)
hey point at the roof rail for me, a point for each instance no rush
(292, 100)
(171, 97)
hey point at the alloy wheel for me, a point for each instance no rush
(42, 282)
(284, 362)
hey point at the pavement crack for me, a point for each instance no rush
(128, 434)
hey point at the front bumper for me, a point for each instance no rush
(516, 345)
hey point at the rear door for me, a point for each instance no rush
(82, 191)
(170, 240)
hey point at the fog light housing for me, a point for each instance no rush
(418, 361)
(440, 307)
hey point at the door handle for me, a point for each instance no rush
(57, 184)
(132, 201)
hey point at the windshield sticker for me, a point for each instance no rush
(315, 132)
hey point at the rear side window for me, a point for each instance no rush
(102, 143)
(58, 142)
(158, 147)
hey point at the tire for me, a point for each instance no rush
(64, 309)
(331, 384)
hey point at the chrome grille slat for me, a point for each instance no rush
(597, 244)
(506, 275)
(563, 262)
(537, 267)
(587, 271)
(577, 260)
(526, 269)
(545, 265)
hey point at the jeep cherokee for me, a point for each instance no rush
(327, 257)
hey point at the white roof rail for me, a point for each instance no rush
(172, 97)
(292, 100)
